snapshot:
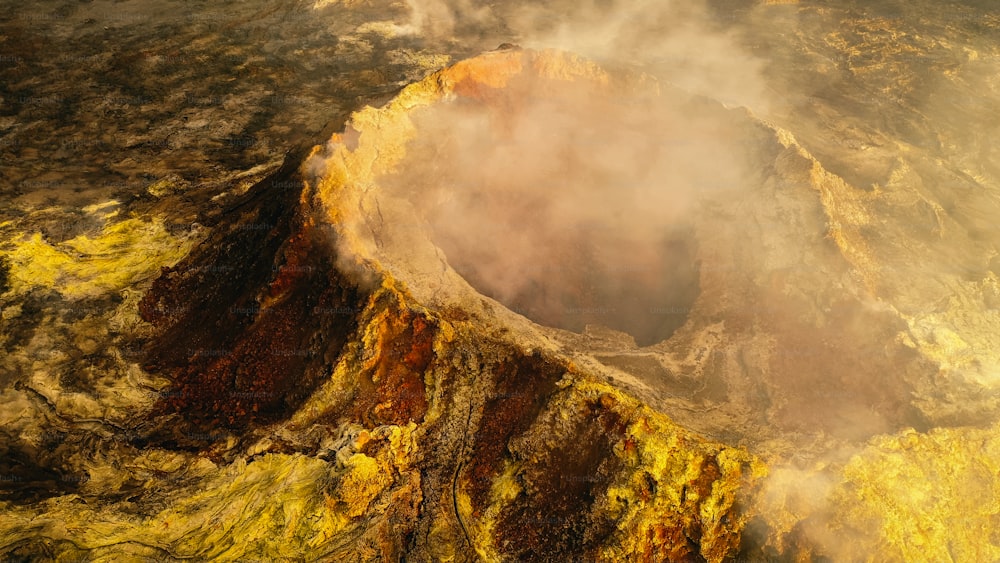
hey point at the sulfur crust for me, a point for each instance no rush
(929, 496)
(276, 508)
(121, 255)
(661, 450)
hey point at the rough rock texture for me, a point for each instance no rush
(316, 381)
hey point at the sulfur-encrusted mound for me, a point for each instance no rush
(806, 331)
(325, 404)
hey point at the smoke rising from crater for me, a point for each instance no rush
(573, 204)
(577, 209)
(683, 43)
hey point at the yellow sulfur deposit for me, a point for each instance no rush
(122, 254)
(923, 497)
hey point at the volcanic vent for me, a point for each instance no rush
(570, 201)
(359, 333)
(681, 248)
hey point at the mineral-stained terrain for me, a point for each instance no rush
(458, 302)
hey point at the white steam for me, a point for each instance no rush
(676, 41)
(571, 204)
(438, 19)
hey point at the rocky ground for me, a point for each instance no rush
(221, 343)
